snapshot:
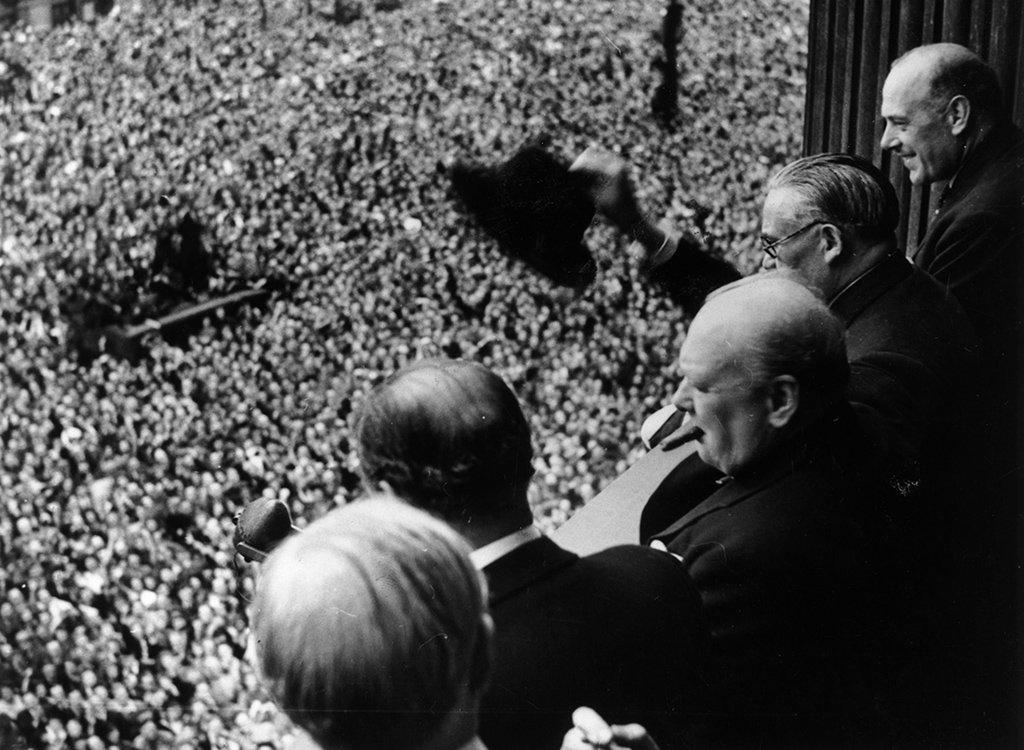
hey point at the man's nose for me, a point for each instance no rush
(681, 398)
(888, 139)
(767, 262)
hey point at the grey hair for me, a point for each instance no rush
(846, 190)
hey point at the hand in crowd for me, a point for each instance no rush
(606, 177)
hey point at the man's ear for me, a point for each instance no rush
(958, 114)
(832, 240)
(783, 400)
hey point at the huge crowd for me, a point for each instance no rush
(312, 151)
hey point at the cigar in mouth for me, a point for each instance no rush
(684, 434)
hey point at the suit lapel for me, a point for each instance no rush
(732, 492)
(524, 566)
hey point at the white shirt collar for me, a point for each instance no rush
(484, 556)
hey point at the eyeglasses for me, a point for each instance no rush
(768, 246)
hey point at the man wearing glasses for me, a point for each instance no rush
(830, 220)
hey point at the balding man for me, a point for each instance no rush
(782, 551)
(946, 120)
(619, 630)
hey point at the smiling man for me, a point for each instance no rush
(783, 549)
(946, 121)
(739, 397)
(927, 126)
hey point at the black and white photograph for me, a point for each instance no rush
(511, 374)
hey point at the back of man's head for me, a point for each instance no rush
(450, 437)
(951, 70)
(370, 629)
(847, 191)
(780, 327)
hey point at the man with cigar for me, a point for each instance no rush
(785, 551)
(831, 220)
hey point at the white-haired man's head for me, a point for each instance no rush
(763, 357)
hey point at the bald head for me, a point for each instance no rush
(755, 304)
(450, 437)
(939, 102)
(946, 70)
(778, 326)
(763, 357)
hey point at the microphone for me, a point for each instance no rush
(684, 434)
(260, 526)
(660, 425)
(667, 428)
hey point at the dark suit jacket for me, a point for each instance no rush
(913, 370)
(913, 383)
(975, 242)
(975, 246)
(787, 565)
(619, 631)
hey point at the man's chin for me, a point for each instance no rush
(914, 171)
(705, 456)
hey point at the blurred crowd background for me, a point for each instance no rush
(312, 151)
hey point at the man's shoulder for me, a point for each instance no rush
(800, 512)
(922, 292)
(917, 314)
(994, 183)
(1005, 158)
(630, 588)
(633, 559)
(531, 567)
(910, 294)
(621, 574)
(631, 569)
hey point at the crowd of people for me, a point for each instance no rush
(311, 151)
(833, 564)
